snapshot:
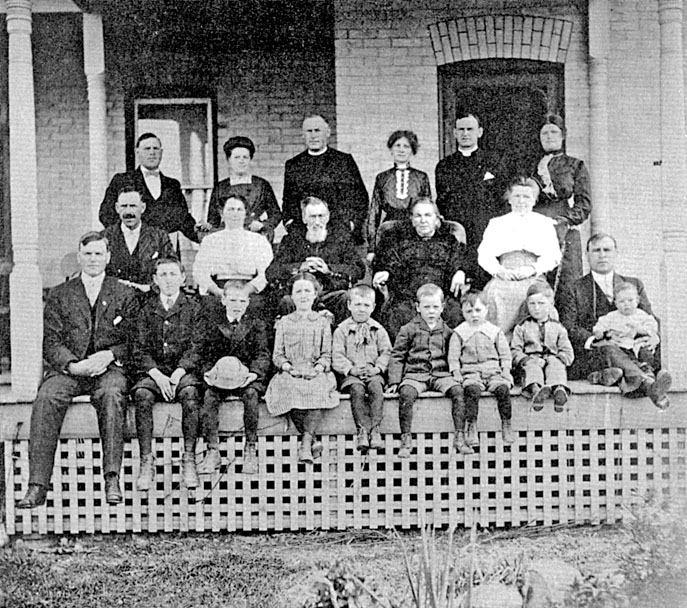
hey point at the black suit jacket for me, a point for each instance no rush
(335, 178)
(169, 212)
(581, 307)
(67, 322)
(139, 266)
(168, 339)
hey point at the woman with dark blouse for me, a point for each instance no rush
(565, 197)
(262, 212)
(396, 188)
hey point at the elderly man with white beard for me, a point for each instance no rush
(330, 255)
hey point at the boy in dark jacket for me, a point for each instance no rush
(167, 355)
(237, 351)
(419, 362)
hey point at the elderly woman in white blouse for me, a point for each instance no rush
(517, 249)
(233, 253)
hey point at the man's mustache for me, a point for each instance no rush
(128, 216)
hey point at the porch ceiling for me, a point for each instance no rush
(220, 26)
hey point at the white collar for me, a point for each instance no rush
(320, 153)
(129, 231)
(604, 279)
(90, 281)
(469, 152)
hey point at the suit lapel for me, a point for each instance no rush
(79, 300)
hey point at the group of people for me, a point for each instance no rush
(460, 296)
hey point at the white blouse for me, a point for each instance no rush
(233, 254)
(532, 232)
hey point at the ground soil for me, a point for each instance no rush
(274, 570)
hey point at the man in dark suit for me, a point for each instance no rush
(166, 206)
(592, 297)
(328, 253)
(135, 246)
(328, 174)
(470, 184)
(87, 325)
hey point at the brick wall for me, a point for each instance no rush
(385, 63)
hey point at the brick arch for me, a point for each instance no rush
(501, 37)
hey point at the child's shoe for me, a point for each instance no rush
(461, 444)
(189, 473)
(376, 442)
(363, 439)
(305, 449)
(507, 432)
(406, 446)
(540, 394)
(560, 398)
(250, 459)
(210, 462)
(471, 437)
(146, 473)
(317, 448)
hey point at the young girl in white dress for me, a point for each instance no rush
(305, 384)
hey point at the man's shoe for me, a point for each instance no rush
(594, 378)
(461, 445)
(250, 459)
(657, 391)
(406, 446)
(317, 448)
(540, 395)
(471, 437)
(560, 398)
(507, 432)
(35, 496)
(113, 493)
(145, 473)
(363, 439)
(610, 376)
(376, 441)
(188, 470)
(210, 463)
(305, 449)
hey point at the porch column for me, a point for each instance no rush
(26, 306)
(599, 34)
(673, 189)
(94, 67)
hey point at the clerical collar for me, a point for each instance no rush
(320, 153)
(402, 166)
(468, 152)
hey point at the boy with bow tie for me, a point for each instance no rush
(360, 353)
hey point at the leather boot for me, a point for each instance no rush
(211, 462)
(461, 445)
(189, 473)
(471, 437)
(406, 445)
(145, 473)
(35, 496)
(305, 449)
(363, 439)
(376, 441)
(113, 493)
(507, 432)
(250, 459)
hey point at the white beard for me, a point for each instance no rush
(316, 235)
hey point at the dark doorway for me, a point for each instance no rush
(511, 96)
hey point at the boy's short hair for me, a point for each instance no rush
(362, 290)
(621, 287)
(429, 290)
(540, 287)
(234, 285)
(170, 260)
(471, 298)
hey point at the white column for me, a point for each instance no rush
(599, 34)
(673, 190)
(26, 306)
(94, 67)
